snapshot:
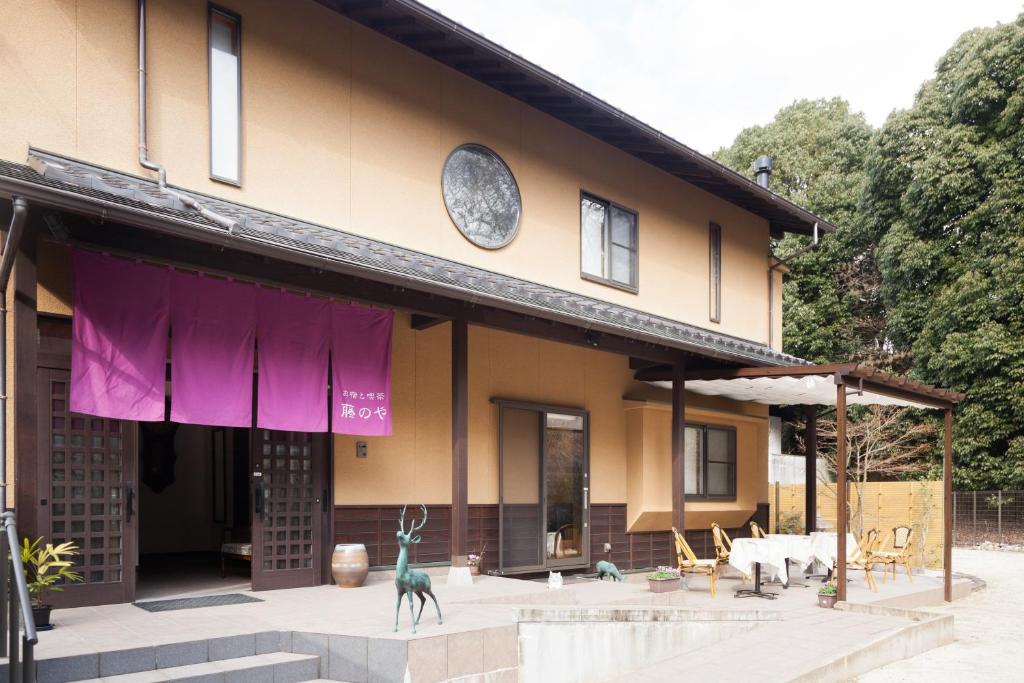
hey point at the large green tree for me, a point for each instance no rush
(945, 197)
(833, 308)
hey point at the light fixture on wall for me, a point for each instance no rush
(591, 338)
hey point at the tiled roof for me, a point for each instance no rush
(86, 188)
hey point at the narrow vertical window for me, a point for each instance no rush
(225, 96)
(715, 271)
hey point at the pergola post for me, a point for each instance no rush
(460, 443)
(840, 487)
(947, 507)
(679, 445)
(811, 468)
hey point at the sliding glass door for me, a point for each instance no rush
(543, 488)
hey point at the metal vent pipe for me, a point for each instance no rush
(763, 167)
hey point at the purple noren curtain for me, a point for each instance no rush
(119, 337)
(213, 331)
(292, 338)
(361, 365)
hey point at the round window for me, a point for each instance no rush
(481, 196)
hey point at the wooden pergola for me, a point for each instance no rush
(839, 385)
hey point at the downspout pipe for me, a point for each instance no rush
(11, 244)
(144, 159)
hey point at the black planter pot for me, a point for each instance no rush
(41, 615)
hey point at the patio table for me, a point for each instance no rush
(750, 553)
(796, 548)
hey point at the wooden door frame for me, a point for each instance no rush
(322, 452)
(542, 409)
(78, 595)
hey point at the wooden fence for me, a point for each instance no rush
(885, 505)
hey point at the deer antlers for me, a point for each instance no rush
(415, 527)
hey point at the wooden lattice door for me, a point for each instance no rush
(86, 483)
(288, 496)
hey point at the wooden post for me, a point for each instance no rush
(678, 445)
(811, 468)
(24, 351)
(841, 487)
(947, 507)
(460, 443)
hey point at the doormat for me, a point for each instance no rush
(193, 603)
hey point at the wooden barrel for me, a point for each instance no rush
(350, 564)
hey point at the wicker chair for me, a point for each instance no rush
(723, 544)
(755, 530)
(689, 564)
(866, 548)
(901, 553)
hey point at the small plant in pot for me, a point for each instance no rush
(474, 561)
(663, 580)
(827, 596)
(46, 567)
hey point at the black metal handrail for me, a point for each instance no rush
(15, 603)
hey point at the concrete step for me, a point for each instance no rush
(273, 667)
(83, 667)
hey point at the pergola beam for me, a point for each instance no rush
(870, 379)
(947, 507)
(840, 486)
(811, 469)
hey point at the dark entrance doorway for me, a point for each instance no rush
(192, 537)
(268, 488)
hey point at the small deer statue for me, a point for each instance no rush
(409, 581)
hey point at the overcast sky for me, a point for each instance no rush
(703, 70)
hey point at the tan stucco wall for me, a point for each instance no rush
(344, 127)
(626, 463)
(649, 469)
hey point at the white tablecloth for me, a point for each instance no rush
(773, 551)
(769, 553)
(825, 547)
(795, 547)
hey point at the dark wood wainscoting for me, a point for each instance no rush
(375, 525)
(641, 550)
(483, 534)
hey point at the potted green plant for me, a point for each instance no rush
(46, 567)
(827, 596)
(664, 580)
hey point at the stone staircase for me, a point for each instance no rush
(267, 657)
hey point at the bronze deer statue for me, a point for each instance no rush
(409, 581)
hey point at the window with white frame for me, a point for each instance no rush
(225, 96)
(608, 236)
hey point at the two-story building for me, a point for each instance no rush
(233, 209)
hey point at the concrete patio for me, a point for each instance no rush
(503, 629)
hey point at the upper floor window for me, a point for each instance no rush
(710, 462)
(715, 271)
(225, 96)
(609, 242)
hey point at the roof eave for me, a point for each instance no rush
(798, 220)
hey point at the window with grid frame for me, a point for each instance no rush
(608, 237)
(710, 461)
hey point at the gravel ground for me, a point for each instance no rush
(989, 627)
